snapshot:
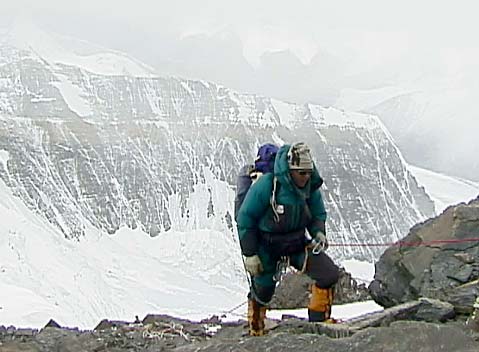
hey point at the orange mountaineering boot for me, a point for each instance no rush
(256, 317)
(319, 308)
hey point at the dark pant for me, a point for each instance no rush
(319, 267)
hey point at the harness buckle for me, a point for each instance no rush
(281, 268)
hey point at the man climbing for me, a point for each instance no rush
(272, 224)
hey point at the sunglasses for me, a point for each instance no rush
(304, 172)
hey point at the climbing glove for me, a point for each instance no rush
(320, 242)
(253, 265)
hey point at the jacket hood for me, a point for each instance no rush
(281, 171)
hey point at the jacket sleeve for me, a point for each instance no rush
(318, 212)
(253, 208)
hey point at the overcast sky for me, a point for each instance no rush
(267, 24)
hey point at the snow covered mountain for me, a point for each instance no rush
(445, 190)
(43, 275)
(119, 149)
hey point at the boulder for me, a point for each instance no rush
(438, 259)
(294, 290)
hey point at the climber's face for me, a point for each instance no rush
(300, 177)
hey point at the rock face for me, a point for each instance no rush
(447, 270)
(88, 149)
(473, 321)
(391, 330)
(294, 290)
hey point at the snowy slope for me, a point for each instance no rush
(43, 275)
(445, 190)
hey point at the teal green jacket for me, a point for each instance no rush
(297, 209)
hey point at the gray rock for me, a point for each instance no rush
(413, 336)
(106, 324)
(15, 346)
(51, 337)
(374, 332)
(25, 332)
(447, 271)
(294, 290)
(473, 321)
(463, 297)
(399, 337)
(52, 324)
(433, 310)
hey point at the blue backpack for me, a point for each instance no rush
(263, 163)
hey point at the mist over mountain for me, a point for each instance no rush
(96, 139)
(217, 59)
(280, 74)
(431, 116)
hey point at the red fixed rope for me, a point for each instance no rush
(405, 244)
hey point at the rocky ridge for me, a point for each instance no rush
(418, 325)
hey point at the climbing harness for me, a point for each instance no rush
(318, 247)
(281, 268)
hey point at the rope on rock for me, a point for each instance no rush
(405, 243)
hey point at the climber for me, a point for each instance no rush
(283, 216)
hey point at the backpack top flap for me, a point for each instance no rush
(264, 161)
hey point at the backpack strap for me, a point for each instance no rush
(272, 199)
